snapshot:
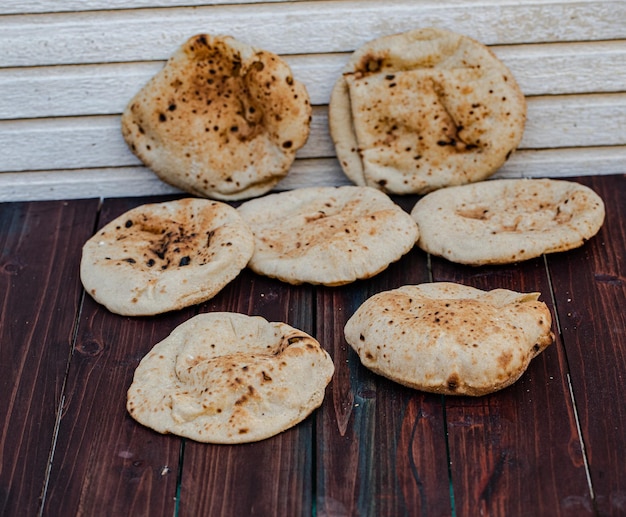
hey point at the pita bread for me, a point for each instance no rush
(327, 235)
(165, 256)
(229, 378)
(425, 109)
(222, 119)
(508, 220)
(450, 338)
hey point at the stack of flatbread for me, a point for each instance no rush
(425, 109)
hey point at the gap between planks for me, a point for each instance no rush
(557, 322)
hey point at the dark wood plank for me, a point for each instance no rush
(590, 292)
(105, 463)
(270, 477)
(516, 451)
(40, 295)
(381, 447)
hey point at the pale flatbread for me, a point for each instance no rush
(450, 338)
(508, 220)
(327, 235)
(229, 378)
(222, 119)
(164, 256)
(425, 109)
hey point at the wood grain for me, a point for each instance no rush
(104, 462)
(551, 444)
(590, 293)
(270, 477)
(40, 297)
(380, 447)
(517, 451)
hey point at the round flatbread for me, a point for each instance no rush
(425, 109)
(164, 256)
(229, 378)
(450, 338)
(508, 220)
(327, 235)
(222, 119)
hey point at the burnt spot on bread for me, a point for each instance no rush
(200, 40)
(453, 382)
(373, 64)
(209, 236)
(167, 243)
(320, 214)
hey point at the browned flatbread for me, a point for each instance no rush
(425, 109)
(327, 235)
(222, 119)
(229, 378)
(450, 338)
(160, 257)
(508, 220)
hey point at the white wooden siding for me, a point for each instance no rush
(68, 68)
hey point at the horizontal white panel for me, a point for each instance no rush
(106, 89)
(139, 181)
(85, 142)
(581, 120)
(558, 163)
(75, 143)
(295, 28)
(59, 6)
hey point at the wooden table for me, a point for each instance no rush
(554, 443)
